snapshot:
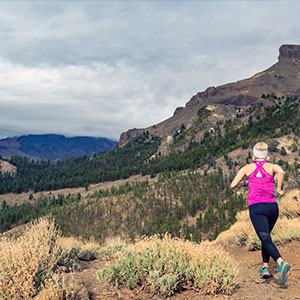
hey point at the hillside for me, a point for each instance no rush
(190, 197)
(227, 100)
(191, 205)
(229, 270)
(53, 146)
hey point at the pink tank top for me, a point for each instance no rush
(261, 189)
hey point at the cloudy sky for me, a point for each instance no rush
(98, 68)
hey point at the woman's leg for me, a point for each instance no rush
(258, 215)
(272, 217)
(259, 218)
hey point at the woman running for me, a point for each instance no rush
(263, 207)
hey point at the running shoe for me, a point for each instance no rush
(283, 270)
(264, 273)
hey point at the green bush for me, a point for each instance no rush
(168, 265)
(283, 151)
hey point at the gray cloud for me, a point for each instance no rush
(101, 67)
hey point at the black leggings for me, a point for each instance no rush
(263, 217)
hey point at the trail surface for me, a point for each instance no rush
(251, 287)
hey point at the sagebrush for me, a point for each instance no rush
(26, 261)
(166, 265)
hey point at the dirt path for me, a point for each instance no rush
(251, 287)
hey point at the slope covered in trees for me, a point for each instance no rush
(259, 122)
(189, 205)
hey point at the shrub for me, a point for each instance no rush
(26, 261)
(67, 259)
(111, 248)
(283, 151)
(169, 264)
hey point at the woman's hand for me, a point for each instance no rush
(242, 183)
(280, 192)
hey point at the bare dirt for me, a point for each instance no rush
(251, 287)
(6, 167)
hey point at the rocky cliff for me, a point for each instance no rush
(289, 52)
(282, 78)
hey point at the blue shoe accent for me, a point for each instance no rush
(283, 270)
(264, 273)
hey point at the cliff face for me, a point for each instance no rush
(289, 52)
(129, 135)
(283, 78)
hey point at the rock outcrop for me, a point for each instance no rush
(86, 255)
(129, 135)
(289, 52)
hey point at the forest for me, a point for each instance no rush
(259, 122)
(139, 208)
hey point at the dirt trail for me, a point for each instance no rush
(251, 287)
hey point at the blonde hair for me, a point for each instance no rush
(261, 146)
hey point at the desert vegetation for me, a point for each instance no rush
(157, 264)
(27, 261)
(30, 262)
(167, 265)
(33, 262)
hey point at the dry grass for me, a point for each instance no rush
(290, 204)
(169, 264)
(7, 167)
(69, 243)
(112, 248)
(239, 232)
(26, 262)
(286, 229)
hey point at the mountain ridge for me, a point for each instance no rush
(53, 146)
(281, 79)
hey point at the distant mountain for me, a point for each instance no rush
(53, 146)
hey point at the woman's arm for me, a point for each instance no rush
(280, 175)
(239, 176)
